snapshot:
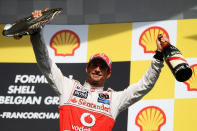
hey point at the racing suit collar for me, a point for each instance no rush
(92, 88)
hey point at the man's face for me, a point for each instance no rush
(98, 72)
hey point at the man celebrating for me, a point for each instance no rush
(87, 107)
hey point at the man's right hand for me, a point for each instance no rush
(38, 13)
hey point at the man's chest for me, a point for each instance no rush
(90, 99)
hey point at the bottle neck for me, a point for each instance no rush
(164, 44)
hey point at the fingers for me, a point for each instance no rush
(166, 39)
(159, 46)
(46, 9)
(37, 13)
(159, 37)
(160, 41)
(162, 38)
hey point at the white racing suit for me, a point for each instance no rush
(88, 108)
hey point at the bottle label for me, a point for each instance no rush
(176, 60)
(164, 44)
(180, 66)
(171, 52)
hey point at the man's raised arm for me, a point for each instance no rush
(46, 65)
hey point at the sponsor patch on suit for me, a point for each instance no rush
(103, 98)
(81, 94)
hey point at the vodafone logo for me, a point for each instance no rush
(88, 119)
(148, 38)
(64, 43)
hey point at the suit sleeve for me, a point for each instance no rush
(50, 70)
(136, 91)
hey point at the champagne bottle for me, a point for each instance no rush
(176, 62)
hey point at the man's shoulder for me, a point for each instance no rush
(110, 90)
(74, 81)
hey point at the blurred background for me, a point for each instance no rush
(102, 11)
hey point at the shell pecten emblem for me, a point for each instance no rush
(150, 118)
(192, 82)
(148, 38)
(64, 43)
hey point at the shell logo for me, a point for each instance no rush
(148, 38)
(64, 43)
(150, 118)
(192, 82)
